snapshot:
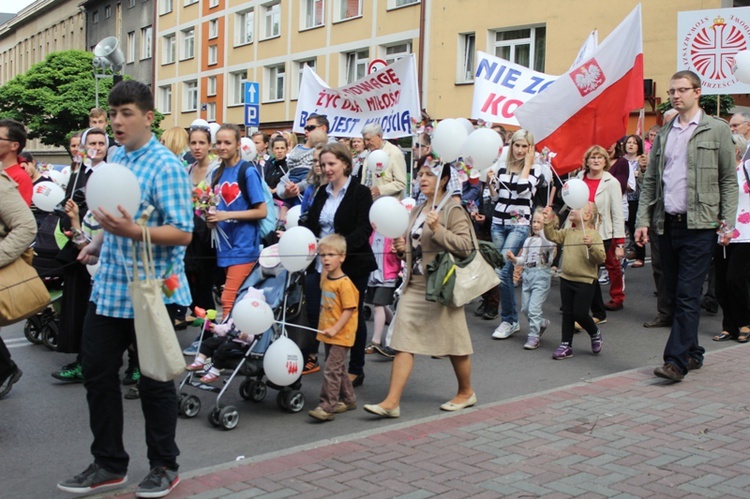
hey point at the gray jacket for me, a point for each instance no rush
(711, 178)
(17, 224)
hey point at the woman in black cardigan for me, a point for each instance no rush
(343, 207)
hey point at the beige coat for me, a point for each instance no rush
(392, 180)
(17, 224)
(608, 200)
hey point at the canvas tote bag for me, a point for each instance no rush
(159, 352)
(22, 292)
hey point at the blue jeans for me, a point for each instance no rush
(685, 258)
(508, 238)
(536, 283)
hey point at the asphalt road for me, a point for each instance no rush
(44, 433)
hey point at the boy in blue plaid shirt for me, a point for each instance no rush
(108, 327)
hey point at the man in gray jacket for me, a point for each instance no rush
(689, 195)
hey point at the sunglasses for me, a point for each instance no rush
(310, 128)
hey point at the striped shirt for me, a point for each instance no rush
(513, 201)
(165, 184)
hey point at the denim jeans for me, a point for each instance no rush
(508, 238)
(536, 283)
(685, 258)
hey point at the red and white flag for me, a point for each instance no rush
(591, 103)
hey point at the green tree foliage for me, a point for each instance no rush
(54, 97)
(707, 102)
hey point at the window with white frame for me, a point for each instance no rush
(107, 12)
(130, 47)
(244, 27)
(312, 13)
(190, 2)
(356, 65)
(524, 46)
(347, 9)
(165, 99)
(169, 43)
(467, 44)
(213, 29)
(275, 78)
(95, 17)
(166, 6)
(188, 44)
(300, 65)
(131, 4)
(213, 54)
(213, 3)
(146, 34)
(392, 4)
(271, 19)
(211, 111)
(191, 96)
(395, 52)
(237, 88)
(211, 86)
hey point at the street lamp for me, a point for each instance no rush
(107, 55)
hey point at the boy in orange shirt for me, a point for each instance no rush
(337, 325)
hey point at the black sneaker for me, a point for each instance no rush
(132, 375)
(93, 478)
(158, 483)
(385, 351)
(72, 373)
(7, 384)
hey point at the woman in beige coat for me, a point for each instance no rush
(17, 232)
(422, 327)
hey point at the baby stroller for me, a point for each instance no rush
(42, 329)
(247, 361)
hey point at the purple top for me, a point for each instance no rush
(675, 166)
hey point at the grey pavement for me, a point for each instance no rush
(624, 435)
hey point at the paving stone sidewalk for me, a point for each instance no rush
(624, 435)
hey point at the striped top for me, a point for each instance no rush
(513, 202)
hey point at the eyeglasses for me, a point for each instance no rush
(7, 140)
(673, 91)
(310, 128)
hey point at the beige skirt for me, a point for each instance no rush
(428, 328)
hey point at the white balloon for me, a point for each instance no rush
(377, 161)
(283, 362)
(252, 316)
(484, 146)
(468, 125)
(292, 216)
(448, 139)
(47, 195)
(93, 268)
(111, 185)
(575, 193)
(199, 123)
(389, 217)
(741, 68)
(247, 149)
(297, 248)
(409, 203)
(214, 127)
(58, 177)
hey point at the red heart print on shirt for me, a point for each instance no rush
(229, 192)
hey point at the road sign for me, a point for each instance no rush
(252, 115)
(252, 92)
(376, 65)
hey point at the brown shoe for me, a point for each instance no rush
(669, 371)
(658, 322)
(342, 407)
(694, 364)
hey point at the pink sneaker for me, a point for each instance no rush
(195, 366)
(210, 377)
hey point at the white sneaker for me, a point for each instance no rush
(505, 330)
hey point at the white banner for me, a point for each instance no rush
(706, 43)
(389, 97)
(501, 86)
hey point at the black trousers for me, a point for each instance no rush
(104, 341)
(6, 364)
(576, 300)
(732, 284)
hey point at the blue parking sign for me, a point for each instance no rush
(252, 115)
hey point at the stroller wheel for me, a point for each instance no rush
(49, 335)
(254, 390)
(190, 406)
(367, 312)
(229, 417)
(213, 416)
(294, 400)
(33, 329)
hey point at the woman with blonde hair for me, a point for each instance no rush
(176, 140)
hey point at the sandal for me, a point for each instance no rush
(743, 337)
(724, 336)
(637, 264)
(370, 349)
(210, 377)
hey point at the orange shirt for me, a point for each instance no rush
(338, 295)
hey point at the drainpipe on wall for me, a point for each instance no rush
(420, 67)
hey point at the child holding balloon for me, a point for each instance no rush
(338, 326)
(584, 252)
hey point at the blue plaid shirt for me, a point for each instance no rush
(165, 185)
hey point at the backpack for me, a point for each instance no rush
(268, 224)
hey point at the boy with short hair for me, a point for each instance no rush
(338, 327)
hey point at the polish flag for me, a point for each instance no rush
(591, 103)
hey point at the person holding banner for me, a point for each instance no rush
(392, 180)
(512, 187)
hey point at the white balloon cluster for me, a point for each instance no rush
(741, 68)
(454, 138)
